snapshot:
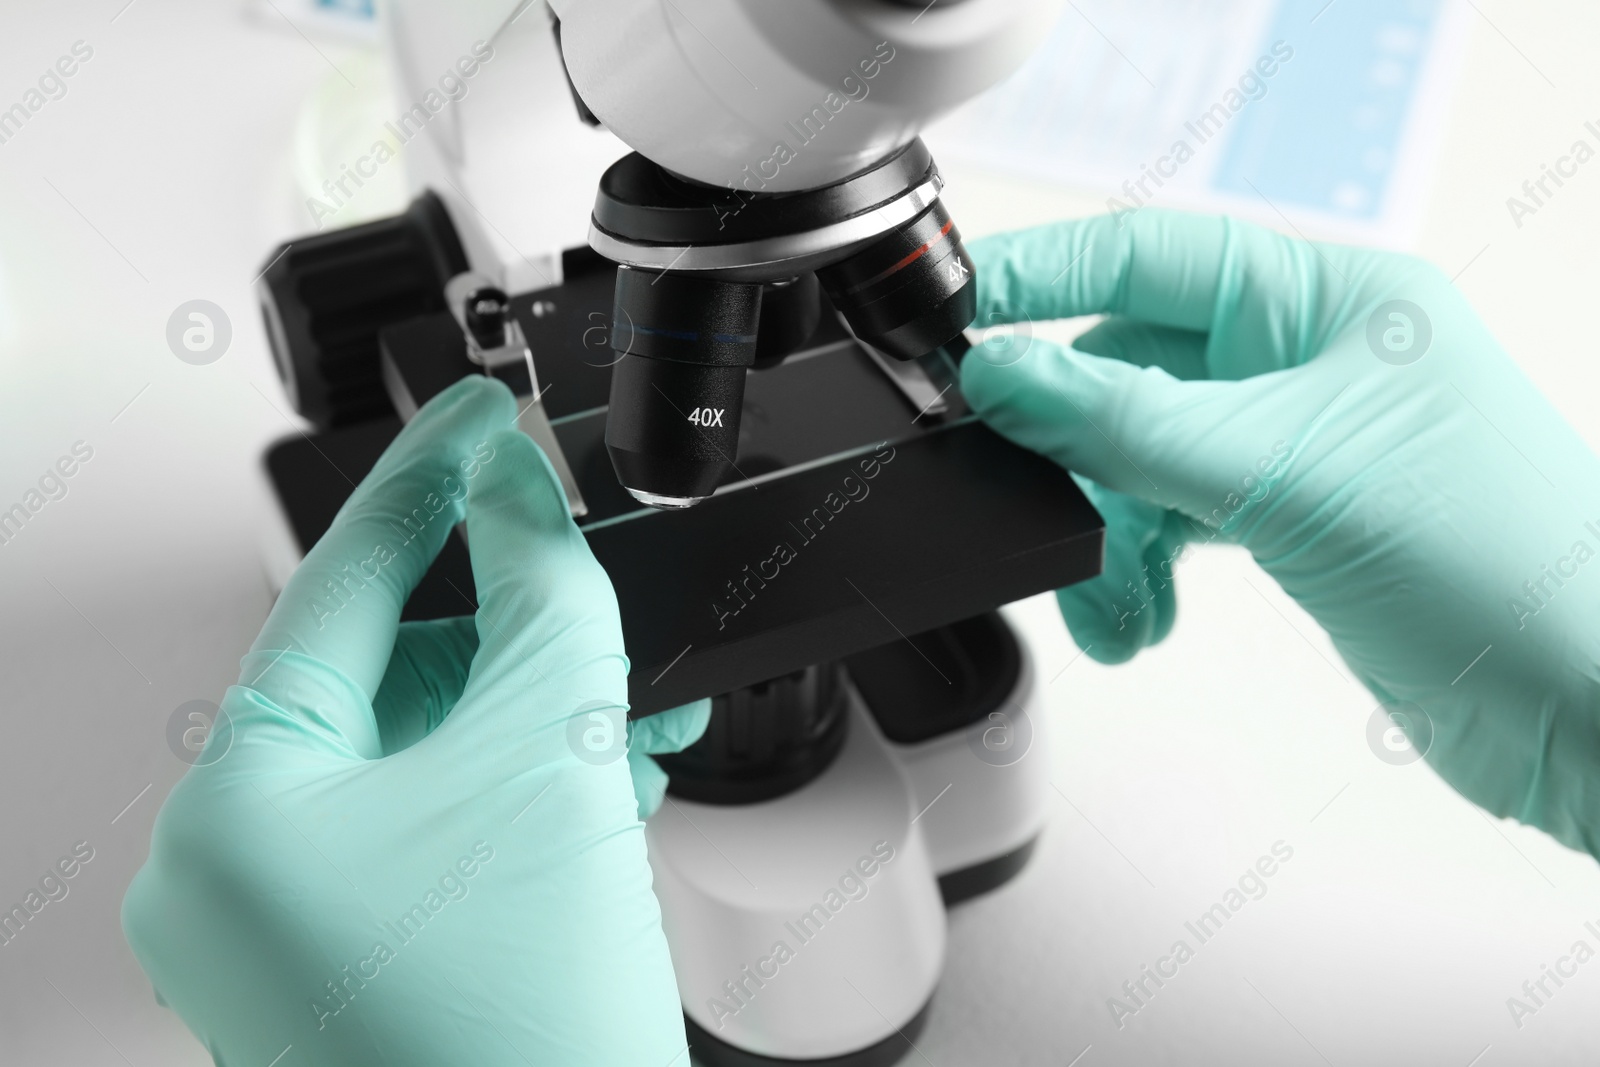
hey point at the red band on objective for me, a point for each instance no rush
(911, 258)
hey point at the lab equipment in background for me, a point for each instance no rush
(334, 20)
(1330, 113)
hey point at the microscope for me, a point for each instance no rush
(746, 380)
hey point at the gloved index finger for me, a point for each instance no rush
(1157, 267)
(549, 636)
(341, 608)
(1168, 268)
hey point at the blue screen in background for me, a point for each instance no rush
(1327, 132)
(356, 8)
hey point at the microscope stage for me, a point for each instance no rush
(850, 521)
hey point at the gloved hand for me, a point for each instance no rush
(419, 844)
(1386, 463)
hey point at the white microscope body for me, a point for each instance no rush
(812, 926)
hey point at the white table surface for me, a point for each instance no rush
(1396, 933)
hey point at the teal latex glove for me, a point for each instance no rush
(420, 844)
(1402, 480)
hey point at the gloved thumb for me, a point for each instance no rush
(1131, 604)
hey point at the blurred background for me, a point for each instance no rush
(186, 145)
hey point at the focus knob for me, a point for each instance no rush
(764, 740)
(324, 297)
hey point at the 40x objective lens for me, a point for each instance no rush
(685, 342)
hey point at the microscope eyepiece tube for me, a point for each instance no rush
(685, 342)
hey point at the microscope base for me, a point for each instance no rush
(709, 1050)
(811, 928)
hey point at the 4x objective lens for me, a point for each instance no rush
(909, 291)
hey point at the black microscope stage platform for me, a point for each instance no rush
(850, 523)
